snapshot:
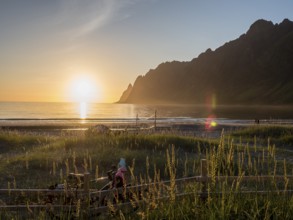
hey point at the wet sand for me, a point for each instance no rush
(77, 128)
(197, 127)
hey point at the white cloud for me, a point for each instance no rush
(81, 17)
(100, 16)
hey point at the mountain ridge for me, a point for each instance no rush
(255, 68)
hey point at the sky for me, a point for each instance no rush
(90, 50)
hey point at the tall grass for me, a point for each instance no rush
(35, 157)
(151, 159)
(280, 135)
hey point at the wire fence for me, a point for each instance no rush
(98, 200)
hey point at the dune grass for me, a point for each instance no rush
(31, 161)
(280, 135)
(33, 157)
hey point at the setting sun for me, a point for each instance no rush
(84, 89)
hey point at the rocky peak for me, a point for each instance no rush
(126, 93)
(260, 26)
(286, 24)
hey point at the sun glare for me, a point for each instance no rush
(84, 89)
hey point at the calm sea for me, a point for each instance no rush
(36, 112)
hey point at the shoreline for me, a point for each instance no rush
(200, 127)
(75, 123)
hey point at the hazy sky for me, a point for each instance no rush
(48, 46)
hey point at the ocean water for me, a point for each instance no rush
(44, 113)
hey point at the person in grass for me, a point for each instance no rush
(119, 180)
(116, 176)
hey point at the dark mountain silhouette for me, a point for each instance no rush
(256, 68)
(126, 94)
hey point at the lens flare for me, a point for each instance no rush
(211, 101)
(213, 124)
(210, 122)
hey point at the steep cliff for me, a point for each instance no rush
(256, 68)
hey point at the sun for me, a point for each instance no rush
(84, 89)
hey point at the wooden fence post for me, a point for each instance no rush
(204, 168)
(86, 188)
(155, 123)
(86, 184)
(204, 177)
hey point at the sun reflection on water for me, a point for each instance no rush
(83, 110)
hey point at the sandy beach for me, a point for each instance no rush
(199, 129)
(203, 128)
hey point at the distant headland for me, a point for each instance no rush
(256, 68)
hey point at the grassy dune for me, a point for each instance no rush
(29, 160)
